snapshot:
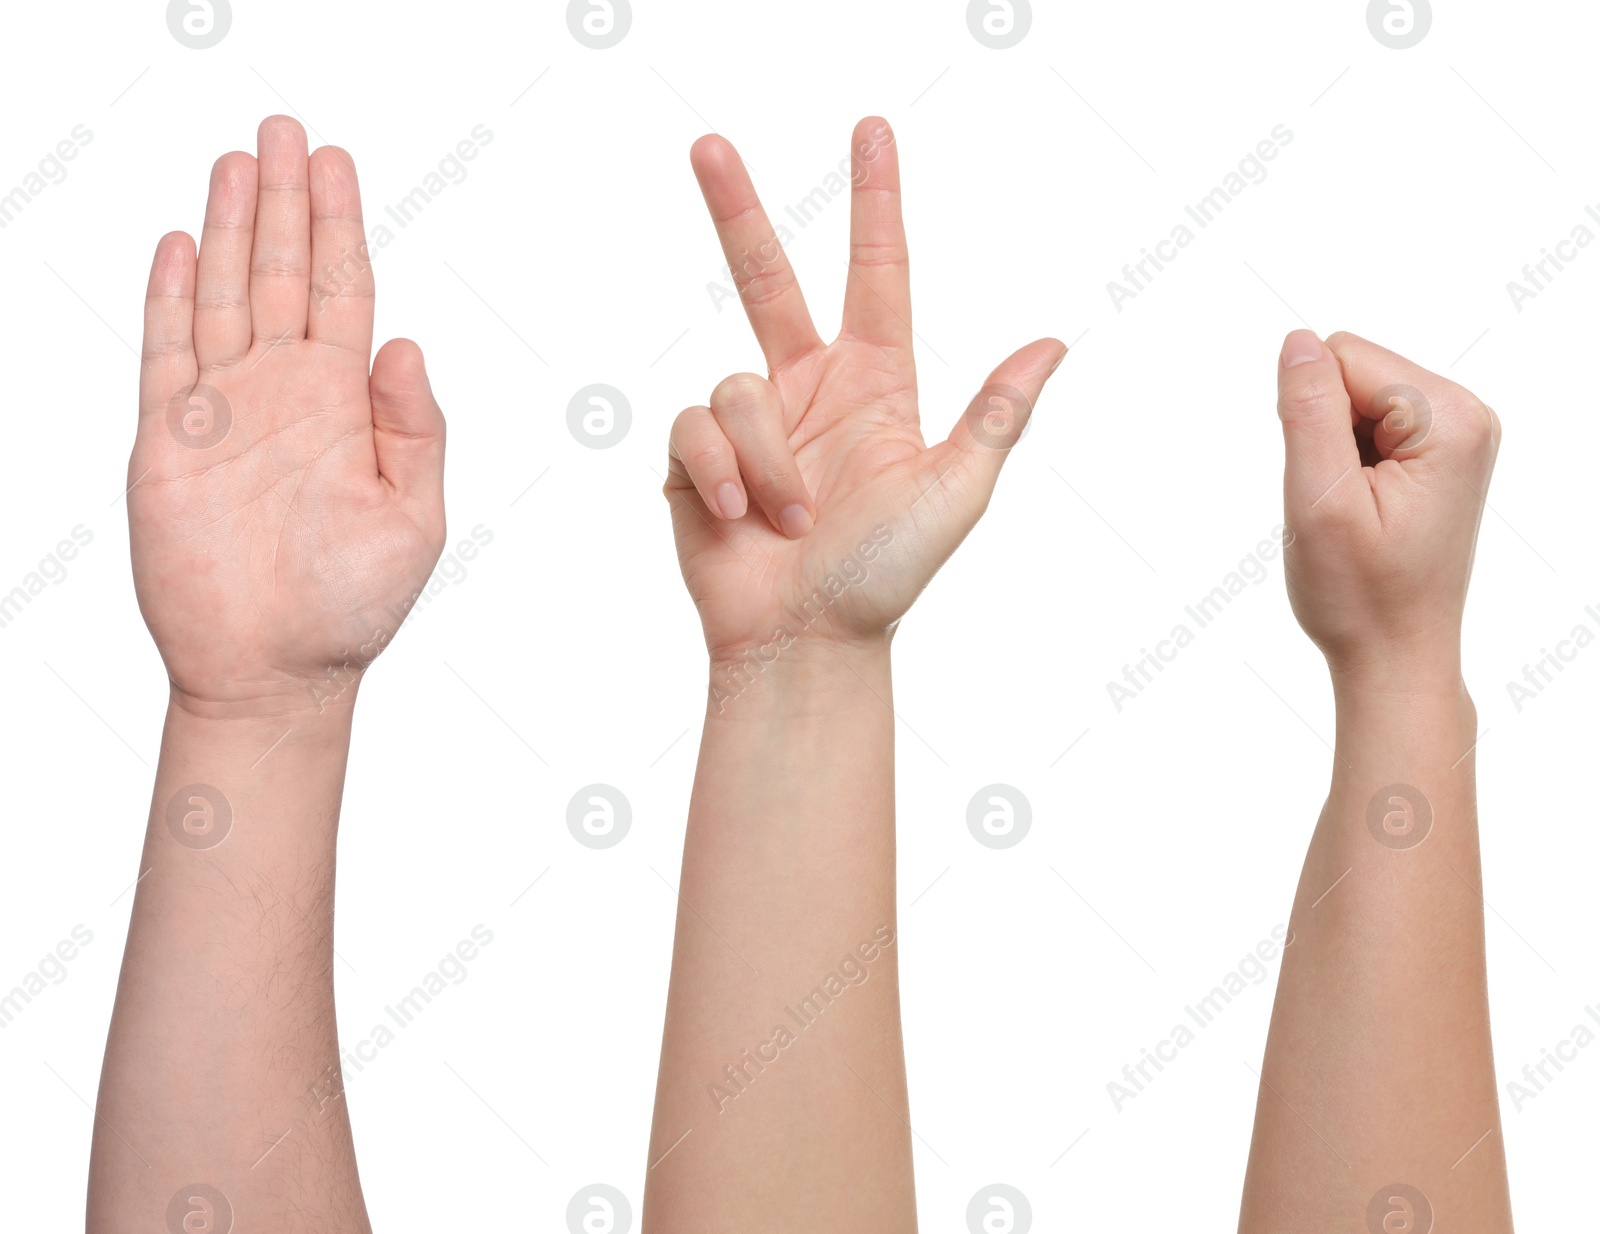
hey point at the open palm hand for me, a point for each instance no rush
(285, 506)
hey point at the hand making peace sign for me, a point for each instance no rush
(779, 483)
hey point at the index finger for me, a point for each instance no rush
(761, 271)
(1408, 403)
(1370, 370)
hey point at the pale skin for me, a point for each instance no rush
(1378, 1112)
(286, 503)
(809, 514)
(275, 532)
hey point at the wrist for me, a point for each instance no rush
(1421, 705)
(290, 718)
(1428, 668)
(292, 700)
(238, 785)
(798, 677)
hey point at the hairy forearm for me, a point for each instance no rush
(1378, 1067)
(782, 1100)
(221, 1075)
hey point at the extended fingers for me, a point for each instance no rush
(952, 483)
(341, 274)
(408, 429)
(280, 263)
(167, 363)
(996, 417)
(761, 270)
(877, 298)
(222, 292)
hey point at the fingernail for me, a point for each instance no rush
(1301, 347)
(731, 501)
(795, 521)
(1059, 359)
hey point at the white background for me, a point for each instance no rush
(1417, 184)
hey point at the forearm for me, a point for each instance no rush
(1378, 1067)
(782, 1101)
(222, 1063)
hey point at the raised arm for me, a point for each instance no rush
(809, 515)
(284, 506)
(1377, 1108)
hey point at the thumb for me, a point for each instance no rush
(1320, 451)
(407, 425)
(994, 421)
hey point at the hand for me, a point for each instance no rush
(285, 508)
(1384, 486)
(806, 505)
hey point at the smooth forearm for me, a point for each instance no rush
(793, 804)
(1388, 917)
(1378, 1066)
(783, 1034)
(222, 1062)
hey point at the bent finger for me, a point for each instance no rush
(1412, 410)
(699, 454)
(749, 411)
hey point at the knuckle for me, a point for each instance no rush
(742, 394)
(1480, 420)
(1473, 422)
(769, 475)
(763, 286)
(157, 350)
(688, 427)
(707, 456)
(868, 256)
(285, 266)
(1311, 397)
